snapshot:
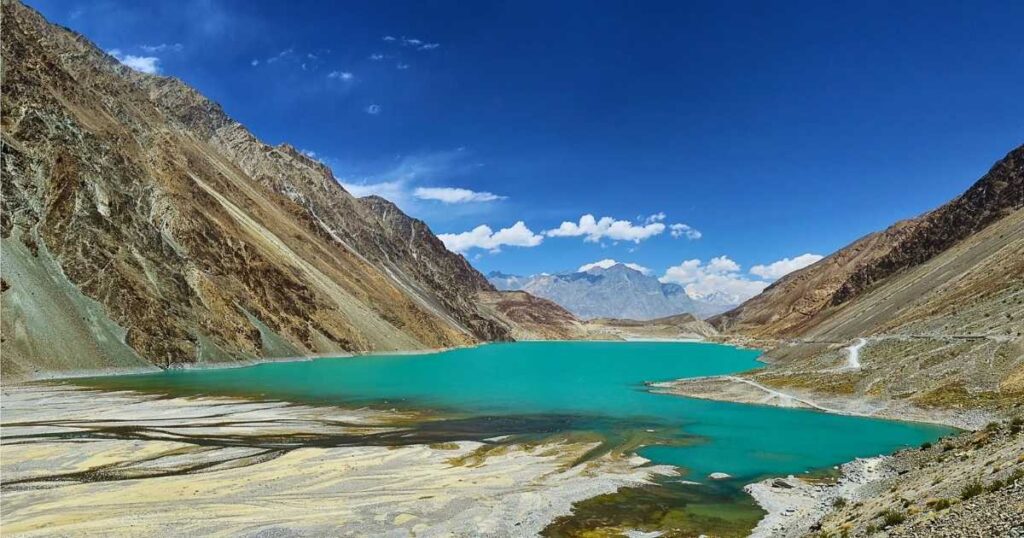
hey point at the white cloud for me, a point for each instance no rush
(162, 47)
(721, 265)
(594, 230)
(517, 235)
(284, 54)
(402, 66)
(377, 57)
(390, 190)
(608, 262)
(453, 195)
(721, 276)
(341, 75)
(429, 46)
(411, 41)
(684, 230)
(373, 109)
(778, 269)
(144, 64)
(254, 62)
(657, 217)
(388, 38)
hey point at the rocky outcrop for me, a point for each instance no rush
(532, 318)
(188, 239)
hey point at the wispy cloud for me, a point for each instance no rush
(402, 66)
(162, 47)
(144, 64)
(454, 195)
(684, 230)
(388, 38)
(376, 57)
(373, 109)
(483, 237)
(341, 75)
(285, 54)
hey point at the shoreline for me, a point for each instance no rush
(183, 459)
(794, 506)
(788, 508)
(735, 389)
(67, 375)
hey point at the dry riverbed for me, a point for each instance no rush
(78, 462)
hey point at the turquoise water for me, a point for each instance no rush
(596, 386)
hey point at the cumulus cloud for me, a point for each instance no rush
(483, 237)
(778, 269)
(684, 230)
(453, 195)
(144, 64)
(720, 276)
(373, 109)
(593, 230)
(608, 262)
(341, 75)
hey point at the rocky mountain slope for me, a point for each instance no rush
(143, 226)
(531, 318)
(803, 300)
(617, 291)
(926, 314)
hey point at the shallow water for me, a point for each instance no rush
(561, 387)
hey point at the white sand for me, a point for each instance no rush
(248, 489)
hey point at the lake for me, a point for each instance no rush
(551, 388)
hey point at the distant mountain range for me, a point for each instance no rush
(616, 291)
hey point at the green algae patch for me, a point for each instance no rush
(674, 508)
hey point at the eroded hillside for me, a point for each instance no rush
(142, 225)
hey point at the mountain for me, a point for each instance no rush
(939, 300)
(507, 282)
(141, 225)
(616, 291)
(803, 300)
(679, 326)
(531, 318)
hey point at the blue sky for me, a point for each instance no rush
(774, 129)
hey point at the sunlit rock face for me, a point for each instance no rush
(184, 238)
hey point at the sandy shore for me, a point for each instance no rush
(84, 462)
(739, 389)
